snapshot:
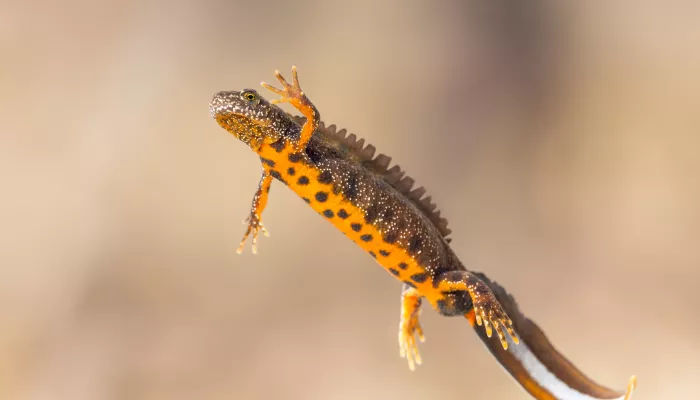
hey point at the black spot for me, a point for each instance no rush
(295, 157)
(373, 254)
(328, 213)
(278, 145)
(388, 214)
(419, 278)
(267, 161)
(325, 178)
(350, 187)
(393, 271)
(306, 199)
(403, 265)
(384, 253)
(390, 237)
(356, 227)
(415, 244)
(291, 171)
(321, 196)
(303, 180)
(366, 238)
(267, 189)
(318, 152)
(409, 284)
(275, 174)
(342, 213)
(371, 213)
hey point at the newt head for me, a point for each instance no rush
(249, 117)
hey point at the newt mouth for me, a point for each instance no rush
(223, 103)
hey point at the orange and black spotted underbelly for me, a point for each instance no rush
(368, 210)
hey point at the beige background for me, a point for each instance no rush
(562, 141)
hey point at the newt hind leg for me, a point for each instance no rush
(409, 327)
(487, 309)
(293, 94)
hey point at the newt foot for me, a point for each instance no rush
(489, 313)
(290, 93)
(408, 330)
(255, 226)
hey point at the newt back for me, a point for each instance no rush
(357, 151)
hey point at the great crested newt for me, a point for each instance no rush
(379, 209)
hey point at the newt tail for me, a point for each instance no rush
(378, 209)
(537, 366)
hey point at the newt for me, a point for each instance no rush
(379, 209)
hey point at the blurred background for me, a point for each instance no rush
(560, 139)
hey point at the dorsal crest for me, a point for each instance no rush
(364, 154)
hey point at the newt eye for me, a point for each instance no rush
(250, 96)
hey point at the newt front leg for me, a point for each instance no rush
(296, 97)
(254, 220)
